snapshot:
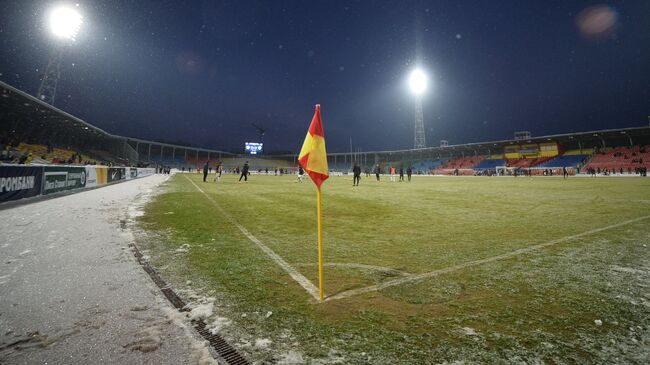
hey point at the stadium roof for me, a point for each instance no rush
(632, 135)
(15, 102)
(18, 106)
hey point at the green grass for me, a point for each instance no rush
(538, 306)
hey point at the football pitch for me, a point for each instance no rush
(439, 269)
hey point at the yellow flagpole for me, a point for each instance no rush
(320, 247)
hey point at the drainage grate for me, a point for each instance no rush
(226, 352)
(220, 345)
(174, 299)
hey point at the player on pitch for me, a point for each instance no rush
(217, 171)
(301, 173)
(244, 172)
(356, 170)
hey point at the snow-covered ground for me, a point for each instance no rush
(71, 291)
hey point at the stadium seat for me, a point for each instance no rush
(564, 161)
(627, 159)
(489, 164)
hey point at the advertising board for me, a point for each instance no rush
(116, 174)
(57, 178)
(18, 182)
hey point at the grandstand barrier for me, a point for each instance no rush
(20, 181)
(455, 172)
(507, 171)
(534, 171)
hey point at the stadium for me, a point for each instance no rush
(121, 249)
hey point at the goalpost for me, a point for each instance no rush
(510, 170)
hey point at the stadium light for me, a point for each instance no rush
(65, 22)
(418, 82)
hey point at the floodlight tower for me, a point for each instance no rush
(418, 85)
(64, 23)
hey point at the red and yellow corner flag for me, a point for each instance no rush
(313, 157)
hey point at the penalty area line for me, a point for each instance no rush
(295, 275)
(418, 277)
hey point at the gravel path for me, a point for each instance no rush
(71, 291)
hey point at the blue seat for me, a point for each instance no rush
(489, 164)
(564, 161)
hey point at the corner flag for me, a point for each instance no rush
(313, 156)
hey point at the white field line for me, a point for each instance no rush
(358, 266)
(298, 277)
(417, 277)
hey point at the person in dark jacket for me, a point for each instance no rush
(244, 172)
(301, 173)
(401, 174)
(206, 168)
(377, 172)
(409, 172)
(217, 171)
(356, 170)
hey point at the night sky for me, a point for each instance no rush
(203, 71)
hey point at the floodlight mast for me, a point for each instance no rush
(47, 89)
(418, 82)
(418, 85)
(64, 24)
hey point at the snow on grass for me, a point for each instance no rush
(291, 357)
(630, 270)
(184, 248)
(469, 331)
(201, 311)
(543, 303)
(135, 212)
(218, 324)
(262, 343)
(333, 357)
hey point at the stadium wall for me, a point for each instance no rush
(19, 181)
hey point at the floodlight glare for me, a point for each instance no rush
(65, 22)
(418, 81)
